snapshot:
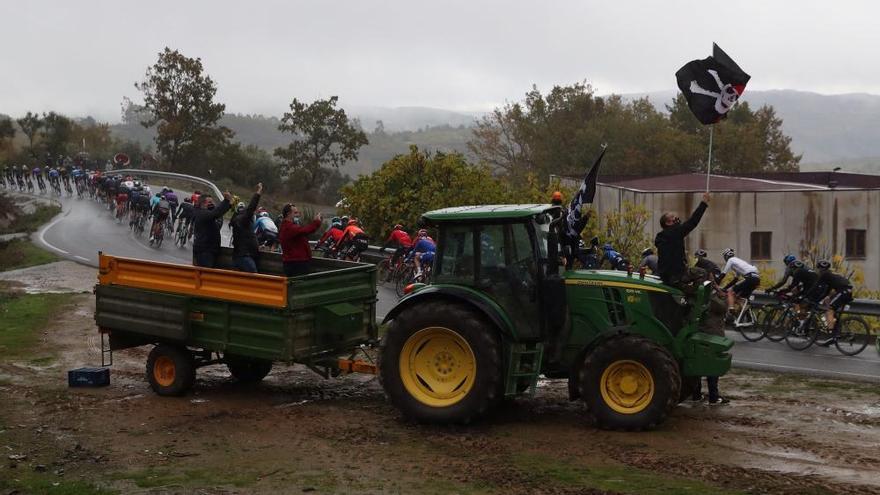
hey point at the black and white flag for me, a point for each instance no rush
(584, 196)
(712, 85)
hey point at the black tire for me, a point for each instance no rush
(753, 332)
(248, 370)
(383, 271)
(485, 381)
(777, 323)
(171, 370)
(855, 335)
(802, 334)
(404, 278)
(619, 353)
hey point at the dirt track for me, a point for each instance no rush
(297, 433)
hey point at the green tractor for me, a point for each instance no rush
(499, 313)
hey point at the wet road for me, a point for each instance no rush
(86, 228)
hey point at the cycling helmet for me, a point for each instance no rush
(169, 189)
(263, 214)
(336, 223)
(398, 227)
(701, 253)
(164, 189)
(608, 247)
(335, 220)
(344, 220)
(797, 264)
(647, 252)
(187, 200)
(788, 259)
(728, 253)
(423, 233)
(823, 265)
(137, 183)
(352, 221)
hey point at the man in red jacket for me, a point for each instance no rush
(296, 254)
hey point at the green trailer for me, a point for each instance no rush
(196, 316)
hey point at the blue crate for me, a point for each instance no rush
(88, 377)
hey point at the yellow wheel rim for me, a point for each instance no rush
(437, 366)
(627, 386)
(164, 371)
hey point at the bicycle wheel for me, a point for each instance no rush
(405, 278)
(779, 322)
(383, 270)
(749, 326)
(855, 335)
(803, 333)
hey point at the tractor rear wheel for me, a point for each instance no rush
(171, 370)
(629, 383)
(441, 363)
(248, 370)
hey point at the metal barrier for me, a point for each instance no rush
(169, 175)
(867, 307)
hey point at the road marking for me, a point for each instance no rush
(812, 370)
(42, 232)
(81, 258)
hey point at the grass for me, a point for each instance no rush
(27, 482)
(615, 478)
(22, 253)
(23, 315)
(28, 223)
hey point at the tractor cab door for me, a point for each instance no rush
(508, 273)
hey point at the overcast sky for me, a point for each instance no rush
(83, 57)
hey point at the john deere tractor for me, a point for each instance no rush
(501, 312)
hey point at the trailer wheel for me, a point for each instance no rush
(171, 370)
(248, 370)
(629, 383)
(441, 363)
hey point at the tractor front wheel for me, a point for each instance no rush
(441, 363)
(629, 383)
(171, 370)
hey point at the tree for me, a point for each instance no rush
(323, 137)
(179, 97)
(30, 126)
(7, 133)
(56, 134)
(408, 185)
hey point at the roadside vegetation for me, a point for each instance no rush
(23, 316)
(22, 253)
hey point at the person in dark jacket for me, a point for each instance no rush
(672, 265)
(296, 254)
(207, 219)
(245, 250)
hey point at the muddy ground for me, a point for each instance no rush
(297, 432)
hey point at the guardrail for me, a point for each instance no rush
(867, 307)
(170, 175)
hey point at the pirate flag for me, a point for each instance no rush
(712, 85)
(585, 195)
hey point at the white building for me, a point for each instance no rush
(764, 216)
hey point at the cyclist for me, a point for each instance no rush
(160, 210)
(266, 230)
(55, 179)
(26, 174)
(788, 260)
(615, 259)
(184, 214)
(38, 178)
(121, 201)
(353, 241)
(803, 282)
(422, 252)
(740, 288)
(649, 260)
(332, 235)
(172, 200)
(399, 240)
(834, 286)
(704, 263)
(65, 177)
(154, 200)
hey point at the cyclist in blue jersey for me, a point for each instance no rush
(422, 251)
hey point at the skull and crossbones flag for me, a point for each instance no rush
(712, 85)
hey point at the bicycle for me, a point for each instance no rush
(746, 322)
(850, 334)
(776, 319)
(184, 232)
(388, 271)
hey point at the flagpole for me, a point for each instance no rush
(709, 166)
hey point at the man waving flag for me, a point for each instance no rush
(712, 85)
(574, 223)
